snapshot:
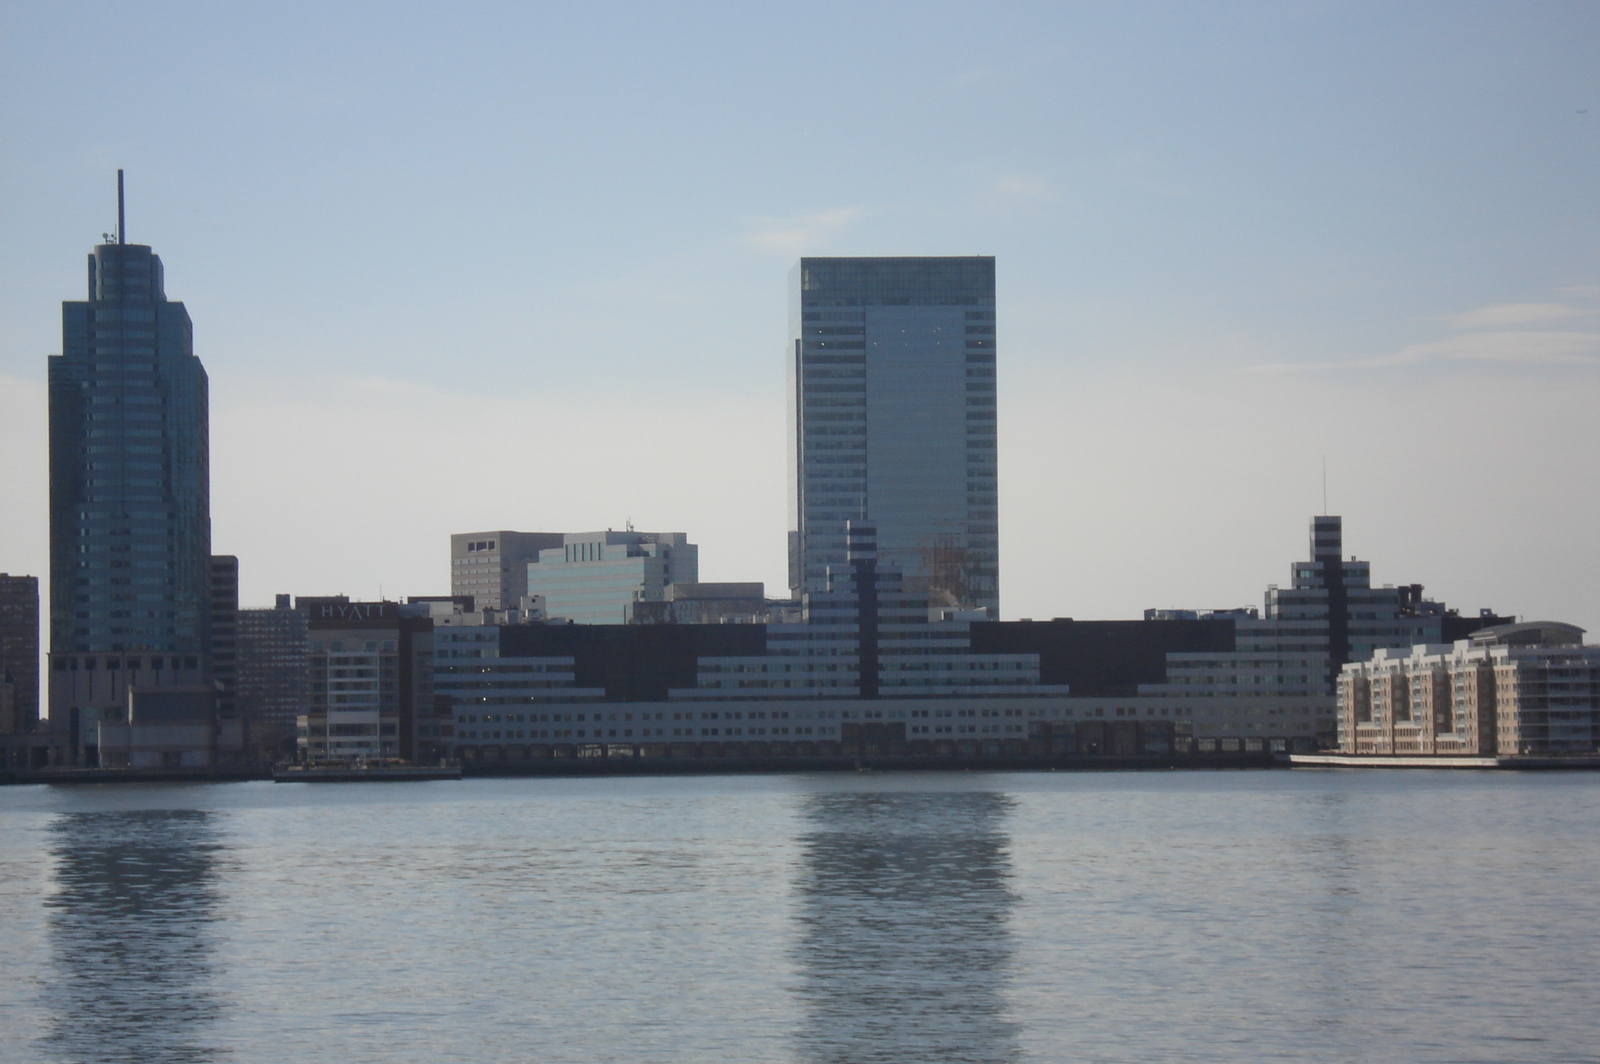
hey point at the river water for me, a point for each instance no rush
(1183, 916)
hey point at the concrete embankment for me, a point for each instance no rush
(690, 766)
(1521, 762)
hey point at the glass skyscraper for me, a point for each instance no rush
(892, 372)
(130, 512)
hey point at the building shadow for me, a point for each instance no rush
(135, 895)
(904, 950)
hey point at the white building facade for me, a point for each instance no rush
(596, 577)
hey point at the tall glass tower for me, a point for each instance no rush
(892, 377)
(130, 509)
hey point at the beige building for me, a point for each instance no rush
(492, 567)
(1514, 689)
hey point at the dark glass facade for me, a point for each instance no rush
(130, 511)
(892, 372)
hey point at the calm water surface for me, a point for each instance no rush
(1306, 916)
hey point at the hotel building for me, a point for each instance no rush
(369, 681)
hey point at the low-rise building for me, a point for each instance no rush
(171, 727)
(95, 689)
(1530, 689)
(864, 663)
(713, 603)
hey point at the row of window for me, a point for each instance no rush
(647, 733)
(158, 662)
(627, 716)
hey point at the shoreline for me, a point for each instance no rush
(696, 766)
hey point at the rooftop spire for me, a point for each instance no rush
(122, 223)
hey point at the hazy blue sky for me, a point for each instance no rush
(480, 265)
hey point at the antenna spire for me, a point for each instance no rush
(1324, 484)
(122, 223)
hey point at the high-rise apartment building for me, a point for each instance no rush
(130, 513)
(892, 367)
(492, 567)
(19, 653)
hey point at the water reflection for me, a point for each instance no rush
(904, 949)
(130, 937)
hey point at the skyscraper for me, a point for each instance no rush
(892, 369)
(130, 513)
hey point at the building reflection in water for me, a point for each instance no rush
(904, 949)
(130, 937)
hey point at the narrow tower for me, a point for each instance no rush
(130, 511)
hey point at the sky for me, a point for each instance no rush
(478, 266)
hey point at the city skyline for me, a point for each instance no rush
(1294, 235)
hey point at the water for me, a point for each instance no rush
(1305, 916)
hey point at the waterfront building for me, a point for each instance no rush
(865, 660)
(273, 673)
(892, 401)
(1280, 678)
(130, 515)
(369, 682)
(1508, 690)
(597, 577)
(19, 653)
(171, 727)
(863, 664)
(492, 687)
(492, 567)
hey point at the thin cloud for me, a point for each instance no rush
(1526, 348)
(1023, 187)
(801, 233)
(1488, 336)
(1506, 315)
